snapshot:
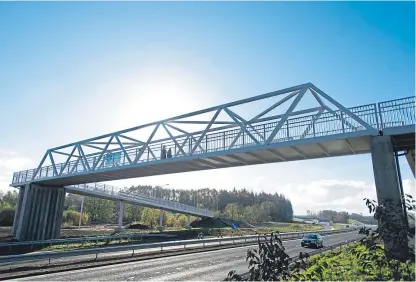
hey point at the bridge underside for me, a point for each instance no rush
(281, 152)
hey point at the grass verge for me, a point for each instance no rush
(342, 265)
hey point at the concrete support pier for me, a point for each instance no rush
(161, 220)
(38, 212)
(386, 176)
(120, 218)
(188, 221)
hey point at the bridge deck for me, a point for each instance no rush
(279, 138)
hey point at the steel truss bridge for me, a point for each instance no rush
(219, 137)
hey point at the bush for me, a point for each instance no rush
(71, 218)
(6, 216)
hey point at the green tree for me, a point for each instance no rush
(99, 210)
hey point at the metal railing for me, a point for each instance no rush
(93, 239)
(96, 239)
(135, 196)
(397, 113)
(113, 249)
(383, 115)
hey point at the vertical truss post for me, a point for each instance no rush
(381, 116)
(287, 130)
(313, 126)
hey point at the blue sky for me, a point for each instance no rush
(70, 71)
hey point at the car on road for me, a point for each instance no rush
(312, 240)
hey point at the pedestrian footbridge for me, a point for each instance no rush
(219, 137)
(276, 127)
(113, 193)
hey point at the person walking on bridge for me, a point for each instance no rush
(163, 153)
(169, 155)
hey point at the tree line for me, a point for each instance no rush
(237, 204)
(342, 217)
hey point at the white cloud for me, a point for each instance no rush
(409, 187)
(11, 162)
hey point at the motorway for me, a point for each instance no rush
(205, 266)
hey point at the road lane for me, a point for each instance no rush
(211, 265)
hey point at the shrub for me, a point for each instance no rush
(71, 218)
(6, 216)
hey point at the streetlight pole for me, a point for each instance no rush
(80, 216)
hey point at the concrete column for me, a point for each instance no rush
(22, 210)
(161, 220)
(188, 221)
(386, 176)
(40, 212)
(17, 211)
(120, 218)
(410, 156)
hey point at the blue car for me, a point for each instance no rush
(312, 240)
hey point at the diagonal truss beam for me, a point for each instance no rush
(84, 160)
(286, 115)
(55, 171)
(312, 124)
(235, 140)
(183, 144)
(241, 124)
(150, 151)
(40, 164)
(145, 146)
(342, 108)
(206, 130)
(272, 107)
(174, 139)
(102, 153)
(188, 136)
(328, 109)
(68, 160)
(245, 123)
(124, 150)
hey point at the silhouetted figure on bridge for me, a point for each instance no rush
(169, 155)
(163, 153)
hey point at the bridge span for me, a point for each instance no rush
(278, 129)
(329, 129)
